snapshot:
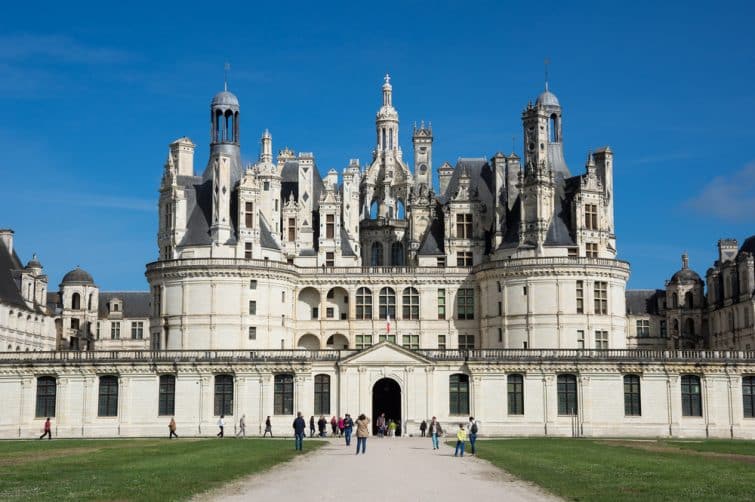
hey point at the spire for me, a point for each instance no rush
(590, 161)
(685, 261)
(546, 63)
(227, 68)
(387, 91)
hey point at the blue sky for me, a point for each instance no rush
(90, 99)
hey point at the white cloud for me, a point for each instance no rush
(729, 198)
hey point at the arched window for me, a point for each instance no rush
(688, 300)
(89, 302)
(397, 254)
(108, 396)
(674, 300)
(218, 126)
(364, 303)
(567, 394)
(676, 326)
(458, 394)
(283, 395)
(46, 393)
(748, 396)
(410, 303)
(691, 396)
(387, 303)
(76, 301)
(374, 210)
(223, 395)
(322, 395)
(515, 391)
(400, 210)
(377, 254)
(632, 406)
(167, 395)
(689, 327)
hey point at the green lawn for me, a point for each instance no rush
(581, 469)
(138, 469)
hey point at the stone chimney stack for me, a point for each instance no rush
(6, 236)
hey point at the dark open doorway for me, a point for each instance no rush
(386, 398)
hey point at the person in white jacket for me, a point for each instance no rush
(221, 424)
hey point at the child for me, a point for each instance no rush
(461, 436)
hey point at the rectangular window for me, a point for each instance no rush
(115, 330)
(580, 297)
(291, 229)
(167, 395)
(463, 226)
(580, 339)
(664, 330)
(515, 390)
(500, 308)
(466, 342)
(691, 402)
(248, 250)
(748, 396)
(330, 312)
(252, 332)
(75, 324)
(643, 327)
(46, 396)
(253, 284)
(591, 250)
(252, 307)
(283, 297)
(442, 342)
(330, 259)
(330, 226)
(573, 252)
(223, 395)
(315, 313)
(500, 335)
(107, 405)
(567, 394)
(632, 396)
(364, 303)
(137, 330)
(591, 216)
(249, 215)
(98, 330)
(465, 304)
(322, 395)
(441, 304)
(387, 338)
(458, 394)
(266, 186)
(499, 286)
(410, 342)
(601, 339)
(441, 261)
(464, 259)
(601, 298)
(362, 341)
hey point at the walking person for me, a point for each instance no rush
(312, 426)
(381, 425)
(322, 425)
(423, 428)
(348, 427)
(334, 426)
(242, 427)
(461, 436)
(299, 427)
(340, 426)
(435, 431)
(472, 434)
(391, 428)
(221, 424)
(172, 428)
(363, 431)
(268, 427)
(47, 429)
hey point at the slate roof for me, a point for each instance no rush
(199, 208)
(136, 304)
(266, 237)
(643, 301)
(559, 233)
(345, 245)
(9, 293)
(432, 244)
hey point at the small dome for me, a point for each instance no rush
(685, 276)
(34, 262)
(547, 98)
(225, 98)
(748, 246)
(78, 275)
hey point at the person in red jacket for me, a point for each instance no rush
(47, 430)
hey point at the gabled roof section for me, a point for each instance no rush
(432, 244)
(386, 353)
(345, 244)
(266, 237)
(199, 209)
(9, 293)
(136, 304)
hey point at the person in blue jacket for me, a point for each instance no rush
(299, 426)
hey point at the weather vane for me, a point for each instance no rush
(226, 68)
(546, 62)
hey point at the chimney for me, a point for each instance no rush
(6, 236)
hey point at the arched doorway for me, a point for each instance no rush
(386, 398)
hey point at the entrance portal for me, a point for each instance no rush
(386, 398)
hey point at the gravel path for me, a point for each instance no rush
(395, 470)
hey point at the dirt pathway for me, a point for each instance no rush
(400, 469)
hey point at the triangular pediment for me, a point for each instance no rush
(386, 353)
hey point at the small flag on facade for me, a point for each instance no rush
(388, 324)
